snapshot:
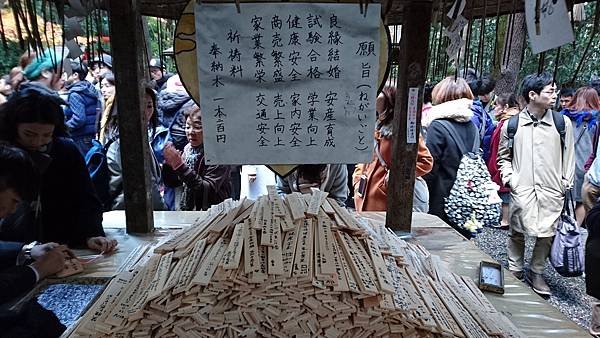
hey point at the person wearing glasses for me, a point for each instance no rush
(538, 165)
(203, 185)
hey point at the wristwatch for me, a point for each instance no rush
(27, 250)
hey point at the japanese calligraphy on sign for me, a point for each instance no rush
(553, 28)
(411, 123)
(286, 83)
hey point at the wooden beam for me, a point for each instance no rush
(129, 68)
(411, 74)
(172, 9)
(478, 9)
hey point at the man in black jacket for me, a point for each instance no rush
(16, 278)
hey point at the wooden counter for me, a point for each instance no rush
(533, 315)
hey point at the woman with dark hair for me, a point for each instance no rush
(107, 124)
(370, 179)
(583, 112)
(113, 157)
(331, 178)
(65, 208)
(452, 99)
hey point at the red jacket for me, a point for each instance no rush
(492, 161)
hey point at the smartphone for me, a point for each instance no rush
(362, 186)
(491, 277)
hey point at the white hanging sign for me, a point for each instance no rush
(411, 122)
(287, 83)
(453, 33)
(554, 27)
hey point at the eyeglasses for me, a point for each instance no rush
(195, 129)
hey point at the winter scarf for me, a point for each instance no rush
(192, 157)
(581, 116)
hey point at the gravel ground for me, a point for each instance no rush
(568, 294)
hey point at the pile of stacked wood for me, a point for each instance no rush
(296, 267)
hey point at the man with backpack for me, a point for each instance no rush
(536, 160)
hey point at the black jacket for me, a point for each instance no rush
(177, 127)
(69, 211)
(14, 280)
(30, 320)
(592, 253)
(446, 159)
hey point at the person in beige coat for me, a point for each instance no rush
(539, 172)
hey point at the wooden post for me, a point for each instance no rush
(411, 74)
(129, 68)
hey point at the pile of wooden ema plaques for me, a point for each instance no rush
(295, 267)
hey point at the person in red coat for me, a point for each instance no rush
(506, 107)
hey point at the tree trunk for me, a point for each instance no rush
(511, 57)
(414, 44)
(130, 71)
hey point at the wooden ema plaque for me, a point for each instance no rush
(321, 276)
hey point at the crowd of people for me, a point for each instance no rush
(537, 145)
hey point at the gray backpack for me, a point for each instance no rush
(566, 255)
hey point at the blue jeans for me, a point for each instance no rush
(420, 196)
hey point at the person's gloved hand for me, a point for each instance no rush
(52, 261)
(102, 244)
(172, 156)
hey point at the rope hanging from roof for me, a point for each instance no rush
(497, 30)
(2, 36)
(556, 62)
(480, 50)
(434, 46)
(541, 62)
(467, 55)
(438, 62)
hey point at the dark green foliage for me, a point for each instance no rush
(162, 38)
(570, 55)
(9, 57)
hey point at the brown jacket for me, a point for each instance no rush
(375, 198)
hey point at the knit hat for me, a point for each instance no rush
(105, 59)
(49, 59)
(155, 63)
